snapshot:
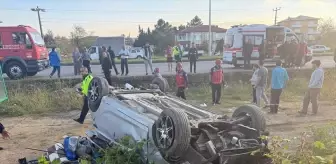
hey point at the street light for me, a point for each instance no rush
(37, 9)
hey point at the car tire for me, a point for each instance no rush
(138, 57)
(257, 118)
(13, 68)
(180, 134)
(98, 88)
(31, 73)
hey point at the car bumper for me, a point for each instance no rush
(37, 65)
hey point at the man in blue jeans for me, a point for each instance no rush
(55, 62)
(279, 79)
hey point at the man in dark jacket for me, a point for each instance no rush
(112, 56)
(106, 65)
(293, 50)
(247, 52)
(192, 56)
(261, 50)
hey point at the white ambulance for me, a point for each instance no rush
(256, 33)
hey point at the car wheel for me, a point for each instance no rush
(98, 88)
(138, 57)
(31, 73)
(171, 134)
(15, 70)
(257, 119)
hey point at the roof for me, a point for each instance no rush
(299, 18)
(203, 28)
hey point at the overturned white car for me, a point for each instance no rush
(177, 131)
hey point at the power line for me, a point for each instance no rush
(138, 11)
(37, 9)
(133, 22)
(276, 14)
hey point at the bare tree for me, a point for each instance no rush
(326, 26)
(77, 35)
(327, 29)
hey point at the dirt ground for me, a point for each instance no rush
(40, 132)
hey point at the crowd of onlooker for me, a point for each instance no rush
(291, 52)
(279, 79)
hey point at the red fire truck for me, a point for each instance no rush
(22, 51)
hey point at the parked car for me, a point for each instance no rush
(134, 53)
(319, 48)
(176, 131)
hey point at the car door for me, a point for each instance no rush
(94, 53)
(132, 54)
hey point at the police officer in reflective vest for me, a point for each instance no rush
(181, 81)
(216, 78)
(177, 53)
(87, 78)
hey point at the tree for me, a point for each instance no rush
(64, 44)
(196, 21)
(326, 26)
(49, 39)
(328, 32)
(163, 34)
(181, 27)
(77, 35)
(142, 38)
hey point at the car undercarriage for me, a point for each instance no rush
(183, 133)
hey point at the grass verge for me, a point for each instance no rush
(37, 101)
(156, 59)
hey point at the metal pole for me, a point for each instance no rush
(39, 19)
(210, 37)
(276, 14)
(37, 9)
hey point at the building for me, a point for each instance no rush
(303, 26)
(199, 34)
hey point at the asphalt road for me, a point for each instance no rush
(139, 69)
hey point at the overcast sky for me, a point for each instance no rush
(115, 17)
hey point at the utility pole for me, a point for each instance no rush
(210, 37)
(37, 9)
(276, 14)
